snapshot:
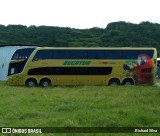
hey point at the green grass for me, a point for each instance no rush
(83, 106)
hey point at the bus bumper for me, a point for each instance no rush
(14, 80)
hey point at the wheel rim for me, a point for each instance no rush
(114, 83)
(128, 83)
(45, 84)
(30, 83)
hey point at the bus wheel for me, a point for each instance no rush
(31, 82)
(114, 81)
(128, 82)
(45, 82)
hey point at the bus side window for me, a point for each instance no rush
(96, 54)
(37, 56)
(77, 54)
(113, 54)
(43, 55)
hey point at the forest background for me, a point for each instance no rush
(116, 34)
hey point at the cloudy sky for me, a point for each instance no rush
(78, 13)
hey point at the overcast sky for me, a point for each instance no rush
(78, 13)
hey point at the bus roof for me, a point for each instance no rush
(96, 48)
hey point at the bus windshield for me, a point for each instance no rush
(22, 53)
(19, 60)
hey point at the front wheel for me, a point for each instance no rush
(31, 82)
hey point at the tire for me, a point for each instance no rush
(114, 81)
(31, 82)
(45, 82)
(128, 82)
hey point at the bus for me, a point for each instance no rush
(44, 66)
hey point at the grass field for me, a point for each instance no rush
(83, 106)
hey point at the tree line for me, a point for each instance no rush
(116, 34)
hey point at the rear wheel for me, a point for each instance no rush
(45, 82)
(114, 81)
(128, 82)
(31, 82)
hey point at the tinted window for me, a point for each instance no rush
(15, 68)
(148, 52)
(60, 54)
(71, 71)
(43, 54)
(22, 53)
(78, 54)
(129, 54)
(51, 54)
(90, 54)
(96, 54)
(113, 54)
(133, 54)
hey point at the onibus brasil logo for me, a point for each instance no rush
(21, 130)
